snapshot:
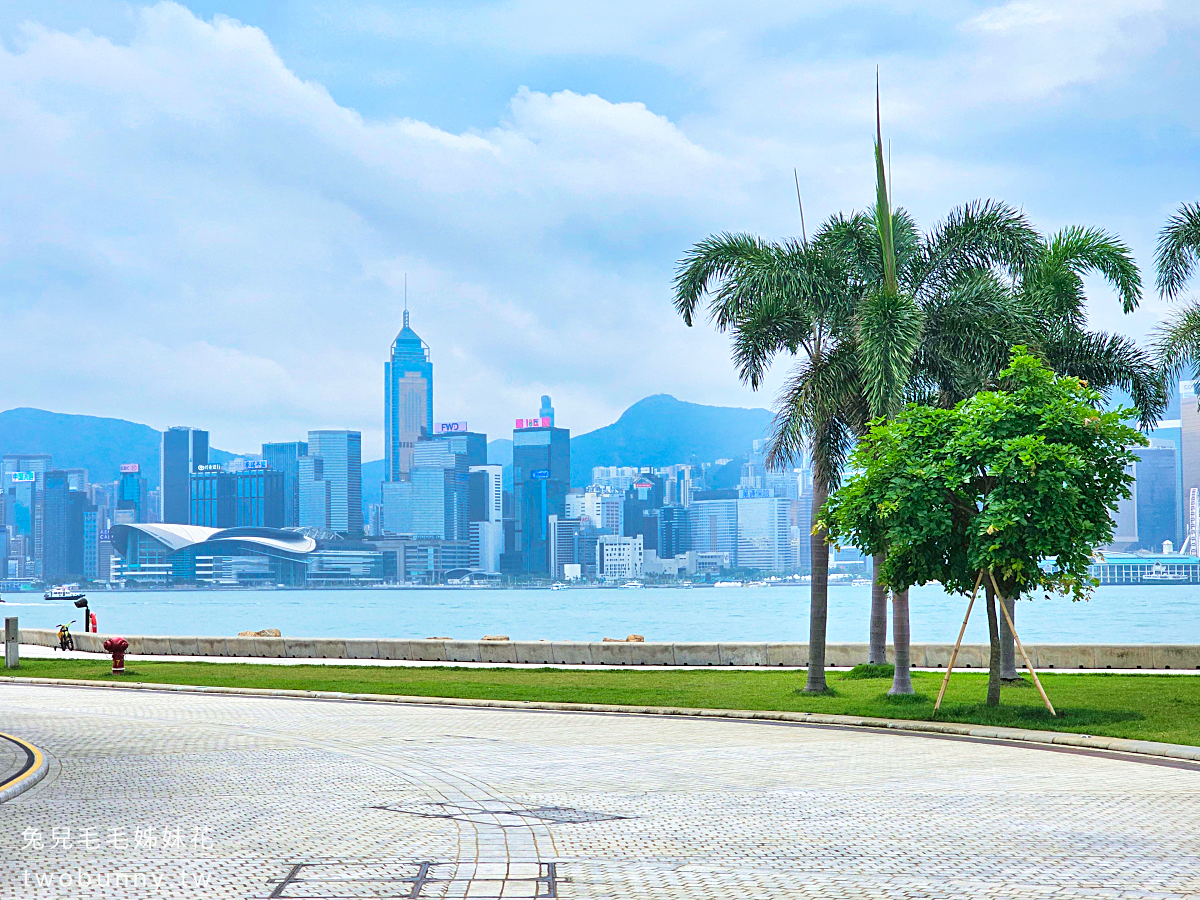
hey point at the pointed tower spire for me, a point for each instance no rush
(405, 299)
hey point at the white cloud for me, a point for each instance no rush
(193, 233)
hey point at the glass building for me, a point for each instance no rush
(213, 498)
(407, 401)
(285, 458)
(340, 453)
(440, 490)
(131, 495)
(713, 527)
(541, 480)
(183, 449)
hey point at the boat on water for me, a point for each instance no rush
(632, 584)
(558, 586)
(67, 592)
(1160, 574)
(728, 584)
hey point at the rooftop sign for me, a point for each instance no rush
(129, 467)
(24, 476)
(543, 422)
(210, 467)
(257, 464)
(449, 427)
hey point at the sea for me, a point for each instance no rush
(1134, 614)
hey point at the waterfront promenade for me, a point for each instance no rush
(262, 797)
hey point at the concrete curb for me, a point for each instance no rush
(34, 770)
(1179, 752)
(1061, 657)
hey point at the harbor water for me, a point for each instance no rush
(1134, 614)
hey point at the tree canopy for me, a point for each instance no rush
(1018, 481)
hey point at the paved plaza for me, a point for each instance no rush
(156, 794)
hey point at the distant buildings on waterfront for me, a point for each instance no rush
(294, 515)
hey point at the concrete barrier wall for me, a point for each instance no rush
(650, 653)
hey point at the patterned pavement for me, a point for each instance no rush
(186, 795)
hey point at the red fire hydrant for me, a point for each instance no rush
(117, 647)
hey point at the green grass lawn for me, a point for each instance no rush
(1148, 707)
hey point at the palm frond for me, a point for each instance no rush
(974, 237)
(1176, 342)
(1178, 253)
(1078, 250)
(1106, 361)
(819, 408)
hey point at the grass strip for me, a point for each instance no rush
(1143, 707)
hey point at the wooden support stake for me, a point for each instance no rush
(958, 643)
(1024, 655)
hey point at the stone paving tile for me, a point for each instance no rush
(259, 797)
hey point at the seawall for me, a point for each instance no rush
(649, 653)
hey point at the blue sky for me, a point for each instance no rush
(210, 208)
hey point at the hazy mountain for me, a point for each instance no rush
(90, 442)
(660, 431)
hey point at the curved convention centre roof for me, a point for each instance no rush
(180, 537)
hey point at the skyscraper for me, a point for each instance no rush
(541, 480)
(340, 453)
(285, 458)
(183, 449)
(440, 483)
(407, 401)
(64, 541)
(24, 474)
(131, 495)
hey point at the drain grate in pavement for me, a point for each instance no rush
(503, 815)
(423, 880)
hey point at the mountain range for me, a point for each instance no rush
(89, 442)
(656, 431)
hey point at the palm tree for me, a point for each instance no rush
(1177, 341)
(792, 297)
(935, 324)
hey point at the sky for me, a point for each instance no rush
(209, 210)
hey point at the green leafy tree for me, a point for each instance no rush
(1013, 484)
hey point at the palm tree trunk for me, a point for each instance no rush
(1008, 652)
(902, 679)
(819, 598)
(993, 691)
(877, 655)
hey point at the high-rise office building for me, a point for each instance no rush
(315, 494)
(16, 470)
(440, 490)
(764, 534)
(407, 401)
(472, 445)
(341, 455)
(486, 516)
(213, 500)
(1189, 421)
(285, 458)
(1157, 499)
(183, 449)
(63, 555)
(131, 495)
(541, 480)
(261, 497)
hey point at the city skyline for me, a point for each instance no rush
(538, 194)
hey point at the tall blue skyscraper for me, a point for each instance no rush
(285, 458)
(541, 480)
(407, 401)
(340, 453)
